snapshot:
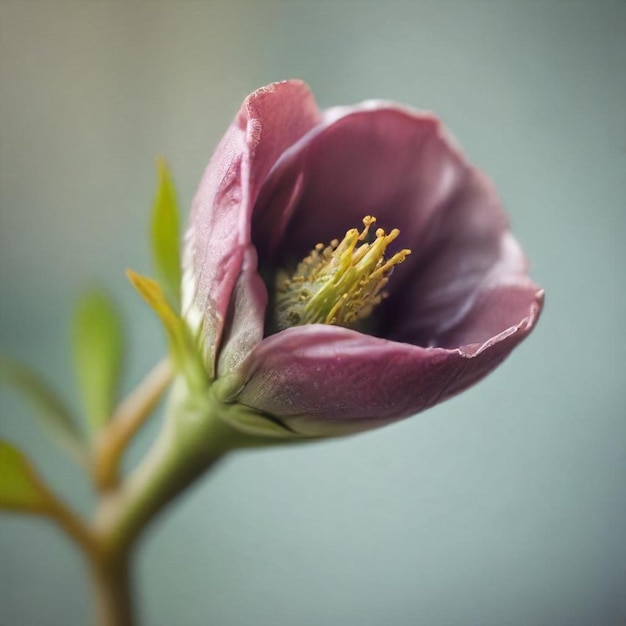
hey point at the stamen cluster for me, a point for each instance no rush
(340, 283)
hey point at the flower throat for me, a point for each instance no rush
(340, 283)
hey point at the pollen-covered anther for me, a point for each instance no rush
(340, 283)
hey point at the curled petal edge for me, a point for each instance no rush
(330, 381)
(269, 121)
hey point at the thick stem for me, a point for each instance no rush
(192, 440)
(111, 578)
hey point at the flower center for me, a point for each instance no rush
(337, 284)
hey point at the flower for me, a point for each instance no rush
(288, 177)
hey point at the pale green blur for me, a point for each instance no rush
(503, 507)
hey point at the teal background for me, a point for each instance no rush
(502, 507)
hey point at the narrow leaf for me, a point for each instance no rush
(166, 236)
(53, 415)
(21, 488)
(184, 353)
(98, 352)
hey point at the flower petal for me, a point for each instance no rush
(244, 327)
(325, 380)
(269, 121)
(373, 159)
(474, 285)
(405, 168)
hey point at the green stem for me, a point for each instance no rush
(192, 440)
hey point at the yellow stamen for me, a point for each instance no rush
(337, 284)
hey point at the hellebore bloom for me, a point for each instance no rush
(288, 177)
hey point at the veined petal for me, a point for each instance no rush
(269, 121)
(246, 317)
(371, 159)
(323, 380)
(405, 168)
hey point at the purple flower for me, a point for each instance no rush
(286, 177)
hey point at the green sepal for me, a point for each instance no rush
(53, 415)
(183, 350)
(165, 231)
(246, 420)
(98, 355)
(21, 488)
(249, 422)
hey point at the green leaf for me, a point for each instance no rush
(21, 488)
(98, 354)
(183, 350)
(166, 236)
(53, 415)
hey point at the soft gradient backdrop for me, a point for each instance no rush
(503, 507)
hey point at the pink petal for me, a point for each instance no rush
(458, 307)
(269, 121)
(246, 315)
(403, 167)
(373, 159)
(325, 380)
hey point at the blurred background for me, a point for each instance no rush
(504, 506)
